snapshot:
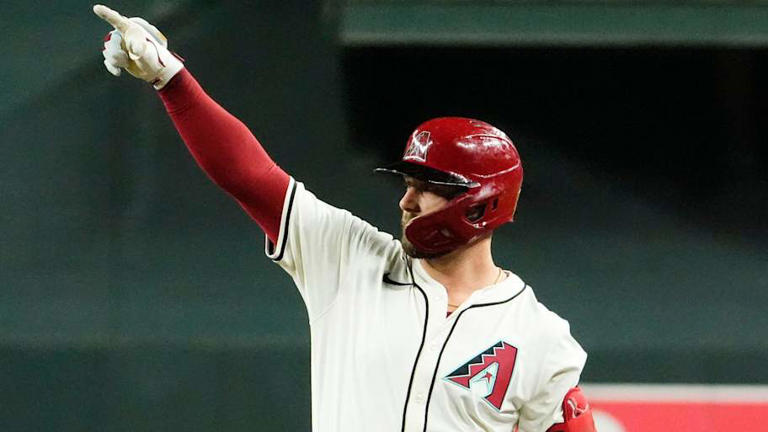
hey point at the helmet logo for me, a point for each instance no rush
(417, 148)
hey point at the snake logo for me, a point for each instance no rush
(417, 148)
(488, 374)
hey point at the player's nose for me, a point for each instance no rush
(410, 202)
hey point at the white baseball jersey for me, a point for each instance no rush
(384, 355)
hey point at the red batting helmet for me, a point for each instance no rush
(470, 154)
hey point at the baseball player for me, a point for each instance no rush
(424, 333)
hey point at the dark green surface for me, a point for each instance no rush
(134, 295)
(140, 387)
(45, 43)
(558, 23)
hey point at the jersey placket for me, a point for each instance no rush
(438, 328)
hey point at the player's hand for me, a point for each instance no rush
(138, 47)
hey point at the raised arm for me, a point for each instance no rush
(220, 143)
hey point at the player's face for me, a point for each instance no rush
(421, 198)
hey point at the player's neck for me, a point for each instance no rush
(464, 270)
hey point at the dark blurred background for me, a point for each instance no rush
(134, 295)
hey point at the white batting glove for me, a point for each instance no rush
(138, 47)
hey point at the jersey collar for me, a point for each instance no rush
(505, 289)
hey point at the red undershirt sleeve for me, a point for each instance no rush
(227, 151)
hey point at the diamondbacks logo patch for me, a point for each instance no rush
(418, 147)
(488, 375)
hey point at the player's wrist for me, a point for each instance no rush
(174, 82)
(173, 66)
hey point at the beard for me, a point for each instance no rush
(409, 248)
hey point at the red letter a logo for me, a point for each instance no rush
(488, 375)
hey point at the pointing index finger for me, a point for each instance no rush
(117, 21)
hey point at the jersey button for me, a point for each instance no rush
(420, 399)
(434, 346)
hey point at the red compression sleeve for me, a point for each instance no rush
(227, 151)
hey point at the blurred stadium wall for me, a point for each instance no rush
(134, 295)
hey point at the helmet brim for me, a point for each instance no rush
(426, 174)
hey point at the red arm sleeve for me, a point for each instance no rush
(227, 151)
